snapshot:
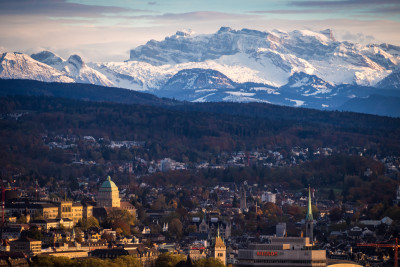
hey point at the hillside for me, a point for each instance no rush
(78, 91)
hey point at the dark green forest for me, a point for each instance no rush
(195, 133)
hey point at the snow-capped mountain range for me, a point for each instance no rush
(298, 68)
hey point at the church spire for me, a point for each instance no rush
(309, 216)
(309, 219)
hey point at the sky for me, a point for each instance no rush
(103, 30)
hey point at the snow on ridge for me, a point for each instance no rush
(202, 99)
(239, 93)
(243, 99)
(21, 66)
(245, 55)
(298, 103)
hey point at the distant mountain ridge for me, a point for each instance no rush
(299, 68)
(375, 104)
(74, 67)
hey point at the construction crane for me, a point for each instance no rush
(376, 245)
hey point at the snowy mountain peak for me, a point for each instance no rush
(224, 29)
(299, 79)
(74, 67)
(76, 61)
(301, 67)
(184, 33)
(47, 57)
(194, 79)
(392, 81)
(329, 33)
(22, 66)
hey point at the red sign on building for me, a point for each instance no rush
(267, 253)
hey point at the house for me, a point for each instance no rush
(26, 245)
(11, 233)
(54, 223)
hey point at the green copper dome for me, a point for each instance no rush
(108, 185)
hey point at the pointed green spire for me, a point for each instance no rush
(309, 216)
(218, 231)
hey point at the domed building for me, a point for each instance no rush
(108, 195)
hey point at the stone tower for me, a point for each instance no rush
(108, 195)
(218, 250)
(309, 218)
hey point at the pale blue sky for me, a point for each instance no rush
(106, 30)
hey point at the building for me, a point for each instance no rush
(197, 252)
(281, 229)
(47, 209)
(87, 210)
(72, 254)
(108, 195)
(282, 251)
(77, 212)
(218, 249)
(210, 225)
(309, 219)
(54, 223)
(146, 256)
(13, 259)
(166, 165)
(268, 197)
(27, 245)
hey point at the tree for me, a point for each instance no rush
(169, 259)
(332, 195)
(130, 261)
(209, 262)
(122, 227)
(335, 214)
(34, 233)
(191, 229)
(94, 262)
(51, 261)
(22, 219)
(123, 215)
(175, 227)
(88, 223)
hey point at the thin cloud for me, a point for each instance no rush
(395, 10)
(358, 38)
(57, 8)
(287, 11)
(192, 16)
(343, 3)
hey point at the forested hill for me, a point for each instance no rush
(355, 122)
(87, 92)
(205, 128)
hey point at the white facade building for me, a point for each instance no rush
(268, 197)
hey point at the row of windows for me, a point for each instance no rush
(290, 261)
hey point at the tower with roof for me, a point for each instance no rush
(309, 218)
(108, 195)
(218, 250)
